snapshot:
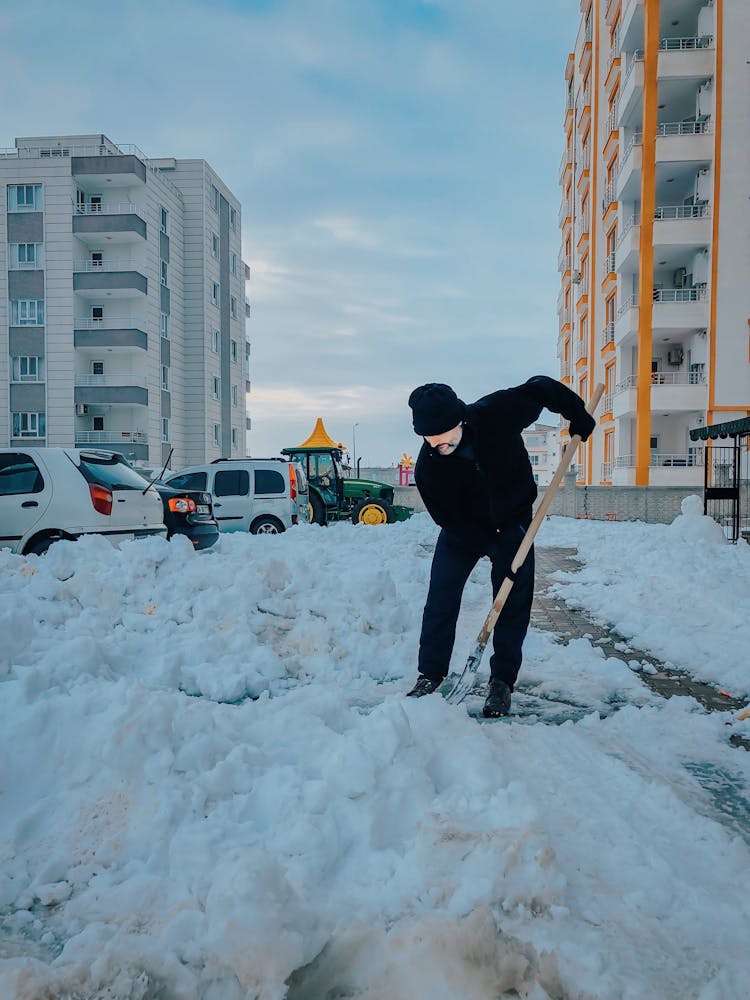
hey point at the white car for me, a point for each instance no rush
(264, 496)
(47, 494)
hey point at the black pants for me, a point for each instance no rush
(452, 563)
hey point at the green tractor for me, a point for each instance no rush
(335, 497)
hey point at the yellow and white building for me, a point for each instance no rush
(655, 231)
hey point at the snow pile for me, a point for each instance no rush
(693, 525)
(212, 787)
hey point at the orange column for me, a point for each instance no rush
(595, 216)
(648, 208)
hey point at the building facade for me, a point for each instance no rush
(122, 304)
(543, 445)
(655, 231)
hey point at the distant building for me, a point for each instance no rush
(122, 322)
(655, 220)
(543, 445)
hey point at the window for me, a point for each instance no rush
(164, 219)
(235, 396)
(534, 459)
(215, 292)
(235, 352)
(19, 474)
(165, 377)
(216, 341)
(29, 425)
(231, 482)
(214, 245)
(268, 481)
(97, 259)
(97, 367)
(233, 263)
(233, 306)
(165, 326)
(25, 198)
(234, 438)
(217, 431)
(165, 428)
(112, 471)
(27, 312)
(189, 481)
(216, 383)
(26, 256)
(27, 369)
(233, 218)
(164, 272)
(97, 314)
(214, 198)
(98, 423)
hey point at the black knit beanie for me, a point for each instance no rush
(435, 409)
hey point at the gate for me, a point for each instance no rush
(726, 482)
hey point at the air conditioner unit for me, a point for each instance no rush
(674, 356)
(680, 277)
(81, 409)
(576, 277)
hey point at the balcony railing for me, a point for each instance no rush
(629, 382)
(565, 369)
(685, 128)
(612, 125)
(660, 460)
(606, 472)
(680, 294)
(119, 437)
(107, 265)
(110, 380)
(666, 212)
(581, 348)
(631, 302)
(563, 260)
(678, 378)
(111, 323)
(609, 196)
(607, 335)
(631, 58)
(607, 402)
(632, 220)
(609, 265)
(110, 208)
(686, 44)
(565, 211)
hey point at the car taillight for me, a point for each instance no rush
(292, 482)
(101, 498)
(182, 505)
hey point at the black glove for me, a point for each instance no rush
(582, 424)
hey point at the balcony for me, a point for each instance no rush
(116, 170)
(565, 213)
(628, 180)
(116, 332)
(565, 371)
(580, 350)
(607, 402)
(679, 392)
(682, 225)
(608, 266)
(683, 142)
(686, 58)
(625, 397)
(631, 88)
(131, 444)
(680, 309)
(119, 222)
(606, 472)
(626, 324)
(631, 23)
(628, 250)
(609, 197)
(665, 468)
(111, 390)
(117, 278)
(607, 336)
(563, 261)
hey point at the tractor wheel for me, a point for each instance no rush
(372, 510)
(317, 509)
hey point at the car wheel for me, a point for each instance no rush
(373, 511)
(266, 526)
(40, 547)
(317, 509)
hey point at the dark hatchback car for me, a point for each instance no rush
(188, 512)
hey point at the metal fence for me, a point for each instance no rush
(726, 494)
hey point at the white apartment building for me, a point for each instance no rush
(655, 221)
(543, 445)
(122, 303)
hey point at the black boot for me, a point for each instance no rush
(424, 685)
(498, 700)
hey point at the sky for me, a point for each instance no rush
(219, 790)
(396, 162)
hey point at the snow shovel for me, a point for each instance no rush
(457, 685)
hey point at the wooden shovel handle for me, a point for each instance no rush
(528, 538)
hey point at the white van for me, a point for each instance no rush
(261, 495)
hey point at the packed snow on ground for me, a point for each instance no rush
(213, 787)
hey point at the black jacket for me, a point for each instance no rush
(495, 487)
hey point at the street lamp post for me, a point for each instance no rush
(354, 447)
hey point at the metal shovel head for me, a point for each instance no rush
(456, 686)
